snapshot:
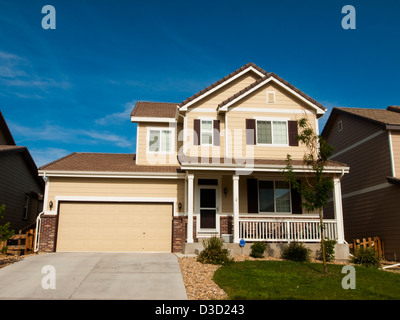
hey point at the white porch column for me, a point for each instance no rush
(190, 178)
(338, 209)
(235, 179)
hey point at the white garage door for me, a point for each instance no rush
(114, 227)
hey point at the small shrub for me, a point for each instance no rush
(296, 252)
(329, 250)
(367, 257)
(258, 249)
(213, 252)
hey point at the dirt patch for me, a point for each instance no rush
(5, 260)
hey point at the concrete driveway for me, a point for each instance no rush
(139, 276)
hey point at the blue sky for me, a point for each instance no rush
(72, 89)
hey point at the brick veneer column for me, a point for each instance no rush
(47, 238)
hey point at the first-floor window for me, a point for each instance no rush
(160, 141)
(274, 196)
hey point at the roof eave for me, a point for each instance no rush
(110, 174)
(253, 167)
(153, 119)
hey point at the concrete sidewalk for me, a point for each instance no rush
(136, 276)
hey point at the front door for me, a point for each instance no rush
(208, 208)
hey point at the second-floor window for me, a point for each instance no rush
(272, 132)
(206, 132)
(160, 140)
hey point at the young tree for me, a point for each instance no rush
(317, 185)
(5, 232)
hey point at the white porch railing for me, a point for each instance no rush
(285, 230)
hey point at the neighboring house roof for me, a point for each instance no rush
(388, 118)
(154, 110)
(105, 162)
(268, 77)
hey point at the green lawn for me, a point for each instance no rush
(287, 280)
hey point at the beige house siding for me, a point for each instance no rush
(113, 187)
(207, 108)
(258, 108)
(395, 137)
(145, 158)
(16, 181)
(253, 106)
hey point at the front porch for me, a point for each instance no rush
(232, 213)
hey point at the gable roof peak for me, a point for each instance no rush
(220, 83)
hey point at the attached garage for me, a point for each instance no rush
(114, 227)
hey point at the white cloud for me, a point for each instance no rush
(16, 71)
(48, 132)
(44, 156)
(117, 117)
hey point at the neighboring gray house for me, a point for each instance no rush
(21, 189)
(368, 140)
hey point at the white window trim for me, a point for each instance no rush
(161, 129)
(274, 212)
(272, 130)
(274, 93)
(206, 131)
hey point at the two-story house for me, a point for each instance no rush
(368, 140)
(21, 189)
(210, 165)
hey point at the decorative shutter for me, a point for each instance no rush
(252, 196)
(216, 132)
(292, 127)
(296, 202)
(196, 132)
(250, 131)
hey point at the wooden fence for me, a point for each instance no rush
(21, 243)
(369, 242)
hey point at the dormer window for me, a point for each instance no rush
(160, 140)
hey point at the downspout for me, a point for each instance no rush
(37, 233)
(38, 219)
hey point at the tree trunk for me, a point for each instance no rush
(322, 240)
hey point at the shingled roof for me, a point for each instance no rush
(154, 109)
(105, 162)
(388, 116)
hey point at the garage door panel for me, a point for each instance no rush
(119, 227)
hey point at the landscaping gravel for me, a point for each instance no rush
(197, 278)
